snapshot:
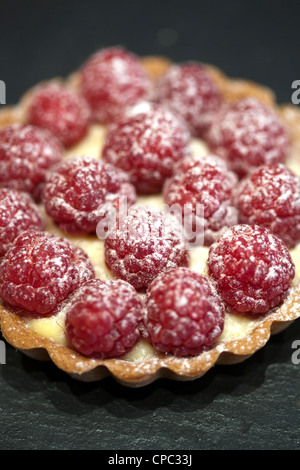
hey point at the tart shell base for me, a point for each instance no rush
(143, 372)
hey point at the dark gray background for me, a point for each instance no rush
(254, 405)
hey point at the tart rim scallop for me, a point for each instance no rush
(146, 370)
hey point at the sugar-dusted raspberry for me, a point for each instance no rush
(18, 213)
(185, 315)
(248, 133)
(270, 197)
(81, 191)
(146, 143)
(252, 269)
(188, 91)
(112, 80)
(26, 153)
(60, 110)
(103, 318)
(202, 188)
(145, 242)
(40, 270)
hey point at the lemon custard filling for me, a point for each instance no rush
(236, 327)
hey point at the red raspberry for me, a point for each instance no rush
(18, 213)
(103, 319)
(26, 153)
(146, 144)
(203, 187)
(248, 134)
(112, 80)
(80, 192)
(60, 110)
(270, 197)
(251, 267)
(40, 270)
(145, 242)
(189, 91)
(185, 315)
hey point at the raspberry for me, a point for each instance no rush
(145, 242)
(80, 192)
(112, 80)
(185, 315)
(270, 197)
(203, 184)
(40, 270)
(252, 269)
(188, 91)
(18, 213)
(146, 144)
(60, 110)
(248, 134)
(26, 153)
(103, 319)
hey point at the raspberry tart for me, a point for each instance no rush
(134, 299)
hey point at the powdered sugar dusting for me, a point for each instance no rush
(82, 191)
(60, 110)
(270, 197)
(248, 134)
(203, 182)
(18, 212)
(189, 92)
(251, 267)
(26, 153)
(146, 143)
(121, 75)
(103, 318)
(145, 243)
(56, 268)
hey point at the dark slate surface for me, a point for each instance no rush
(253, 405)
